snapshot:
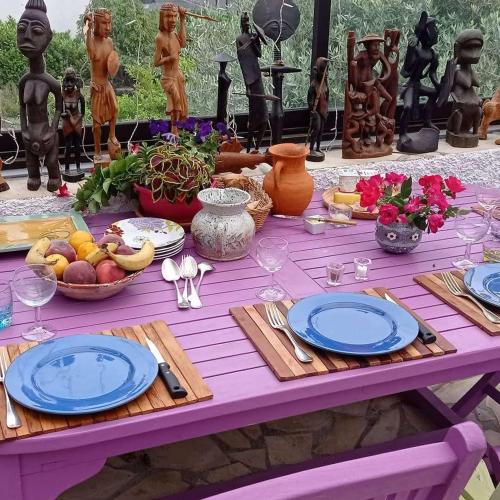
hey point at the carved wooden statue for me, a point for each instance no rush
(223, 84)
(248, 47)
(39, 136)
(167, 55)
(72, 117)
(460, 80)
(368, 128)
(491, 113)
(3, 183)
(317, 100)
(420, 62)
(104, 63)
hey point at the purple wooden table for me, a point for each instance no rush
(245, 390)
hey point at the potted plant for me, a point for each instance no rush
(403, 216)
(164, 177)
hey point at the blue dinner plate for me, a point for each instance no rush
(81, 374)
(483, 281)
(353, 324)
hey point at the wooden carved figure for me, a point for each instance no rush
(104, 63)
(459, 81)
(72, 116)
(3, 183)
(248, 47)
(223, 85)
(420, 62)
(167, 55)
(491, 113)
(317, 99)
(369, 97)
(39, 136)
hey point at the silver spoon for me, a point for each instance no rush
(170, 272)
(203, 267)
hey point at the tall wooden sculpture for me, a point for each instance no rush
(223, 84)
(369, 108)
(459, 81)
(420, 62)
(104, 63)
(39, 136)
(167, 55)
(72, 117)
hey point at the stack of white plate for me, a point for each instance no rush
(167, 236)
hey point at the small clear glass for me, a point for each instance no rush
(471, 228)
(334, 273)
(5, 304)
(361, 265)
(340, 211)
(491, 250)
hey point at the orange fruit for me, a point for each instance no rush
(84, 249)
(79, 237)
(58, 263)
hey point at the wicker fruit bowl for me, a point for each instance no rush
(95, 291)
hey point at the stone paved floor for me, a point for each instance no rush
(179, 467)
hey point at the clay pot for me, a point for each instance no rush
(288, 183)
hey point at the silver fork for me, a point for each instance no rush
(184, 275)
(13, 420)
(192, 268)
(454, 287)
(277, 321)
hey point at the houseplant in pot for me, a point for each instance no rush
(404, 215)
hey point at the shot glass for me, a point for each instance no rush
(491, 250)
(5, 304)
(334, 273)
(340, 211)
(361, 265)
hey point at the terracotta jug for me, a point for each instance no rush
(288, 183)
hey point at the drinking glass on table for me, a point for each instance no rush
(34, 285)
(470, 227)
(5, 304)
(271, 254)
(489, 199)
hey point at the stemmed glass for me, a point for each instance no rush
(272, 253)
(470, 227)
(489, 199)
(34, 285)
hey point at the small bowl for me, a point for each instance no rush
(95, 291)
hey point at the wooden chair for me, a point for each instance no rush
(437, 471)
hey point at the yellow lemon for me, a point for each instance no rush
(58, 263)
(79, 237)
(84, 249)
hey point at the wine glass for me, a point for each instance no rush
(34, 285)
(272, 254)
(470, 227)
(489, 199)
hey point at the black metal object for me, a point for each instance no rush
(321, 30)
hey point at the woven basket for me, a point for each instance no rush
(260, 202)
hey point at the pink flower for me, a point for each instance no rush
(133, 148)
(388, 214)
(63, 191)
(403, 219)
(435, 221)
(370, 192)
(454, 185)
(437, 198)
(394, 179)
(414, 205)
(431, 181)
(376, 180)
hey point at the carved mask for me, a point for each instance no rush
(33, 32)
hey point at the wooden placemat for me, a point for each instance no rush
(156, 398)
(434, 283)
(356, 213)
(278, 353)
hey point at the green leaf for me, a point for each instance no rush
(106, 184)
(420, 222)
(97, 196)
(406, 188)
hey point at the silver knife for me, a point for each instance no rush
(171, 381)
(424, 334)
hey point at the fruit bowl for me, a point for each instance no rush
(95, 291)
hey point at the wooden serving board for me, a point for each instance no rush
(156, 398)
(278, 353)
(356, 214)
(434, 284)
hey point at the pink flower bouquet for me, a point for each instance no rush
(393, 195)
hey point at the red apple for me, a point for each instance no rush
(108, 271)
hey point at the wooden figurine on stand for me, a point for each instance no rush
(368, 128)
(491, 113)
(248, 47)
(317, 99)
(72, 117)
(104, 63)
(39, 136)
(167, 55)
(459, 81)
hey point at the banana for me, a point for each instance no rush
(137, 261)
(100, 254)
(36, 255)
